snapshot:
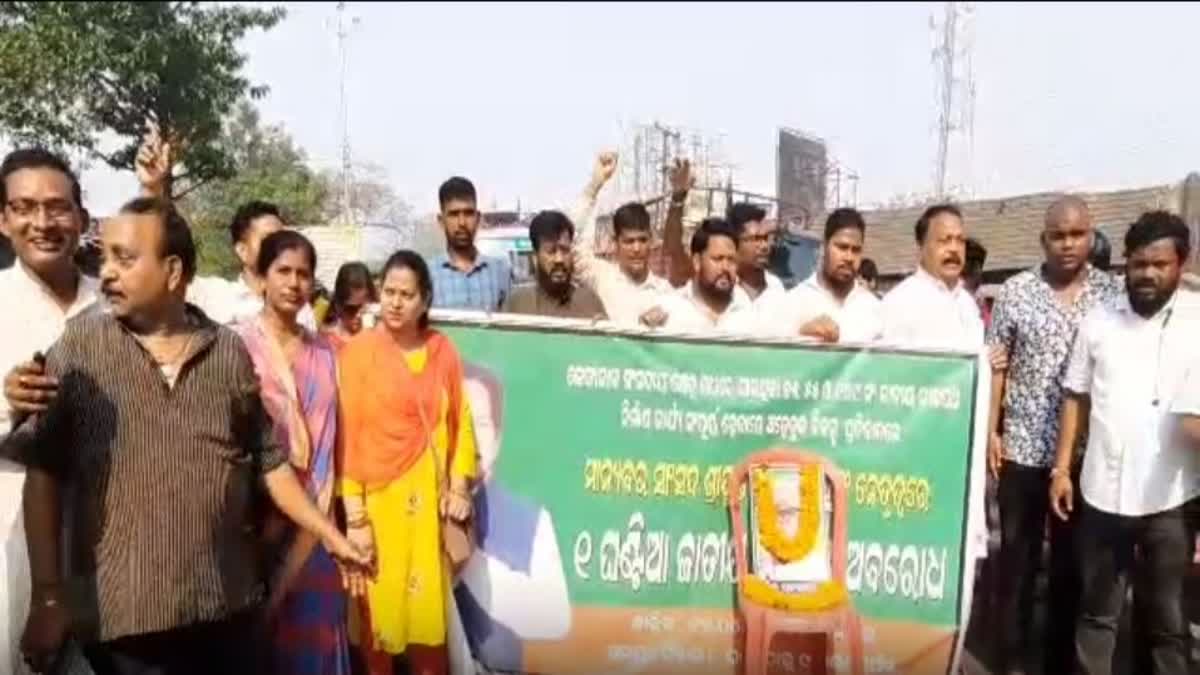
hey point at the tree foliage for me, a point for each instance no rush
(73, 71)
(266, 165)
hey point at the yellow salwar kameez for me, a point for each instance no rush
(406, 604)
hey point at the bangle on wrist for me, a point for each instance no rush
(1057, 471)
(356, 523)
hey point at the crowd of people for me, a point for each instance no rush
(218, 476)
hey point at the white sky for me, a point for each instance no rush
(519, 97)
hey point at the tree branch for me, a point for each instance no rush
(189, 189)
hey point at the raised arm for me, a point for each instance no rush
(584, 217)
(679, 263)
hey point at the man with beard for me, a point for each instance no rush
(43, 218)
(932, 307)
(831, 305)
(151, 451)
(554, 293)
(1126, 376)
(1037, 316)
(463, 278)
(709, 303)
(628, 289)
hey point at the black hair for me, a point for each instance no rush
(631, 216)
(867, 270)
(922, 227)
(1101, 254)
(412, 261)
(248, 213)
(177, 234)
(549, 226)
(456, 187)
(1155, 225)
(37, 158)
(284, 240)
(710, 228)
(744, 212)
(352, 276)
(842, 218)
(976, 254)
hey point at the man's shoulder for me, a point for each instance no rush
(1020, 282)
(907, 286)
(521, 297)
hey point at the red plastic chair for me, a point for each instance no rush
(763, 623)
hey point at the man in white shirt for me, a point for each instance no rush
(43, 218)
(756, 286)
(708, 303)
(831, 305)
(932, 308)
(228, 302)
(1139, 483)
(628, 289)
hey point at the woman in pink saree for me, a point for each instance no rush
(298, 374)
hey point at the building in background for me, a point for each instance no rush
(801, 172)
(1009, 227)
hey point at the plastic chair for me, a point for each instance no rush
(762, 622)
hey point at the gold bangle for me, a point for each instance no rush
(358, 523)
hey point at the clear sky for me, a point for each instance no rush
(519, 97)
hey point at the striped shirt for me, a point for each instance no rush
(484, 287)
(158, 481)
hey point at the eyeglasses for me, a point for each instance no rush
(57, 210)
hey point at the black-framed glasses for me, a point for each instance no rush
(57, 210)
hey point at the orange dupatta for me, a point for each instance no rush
(382, 405)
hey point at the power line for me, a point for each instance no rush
(343, 35)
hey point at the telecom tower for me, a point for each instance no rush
(343, 35)
(954, 88)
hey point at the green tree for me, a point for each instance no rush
(71, 72)
(267, 165)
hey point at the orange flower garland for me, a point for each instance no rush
(826, 595)
(789, 549)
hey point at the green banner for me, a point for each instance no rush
(615, 450)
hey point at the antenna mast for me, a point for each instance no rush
(343, 35)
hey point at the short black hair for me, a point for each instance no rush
(867, 270)
(922, 227)
(456, 187)
(842, 218)
(412, 261)
(744, 212)
(177, 234)
(37, 158)
(1152, 226)
(709, 229)
(284, 240)
(549, 226)
(631, 216)
(976, 253)
(248, 213)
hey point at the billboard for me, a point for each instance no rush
(800, 168)
(606, 539)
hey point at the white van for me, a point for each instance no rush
(510, 242)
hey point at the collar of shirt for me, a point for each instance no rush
(774, 287)
(443, 261)
(687, 312)
(936, 283)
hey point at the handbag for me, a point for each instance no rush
(458, 537)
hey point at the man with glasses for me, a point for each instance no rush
(43, 219)
(757, 287)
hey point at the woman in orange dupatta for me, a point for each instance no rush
(407, 460)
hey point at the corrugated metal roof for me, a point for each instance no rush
(1009, 227)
